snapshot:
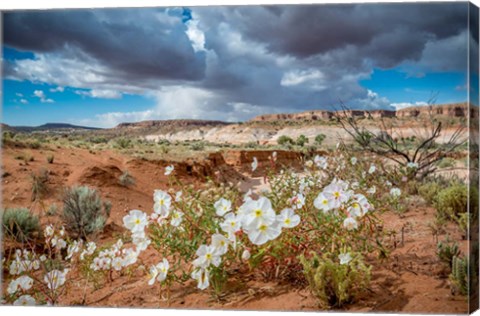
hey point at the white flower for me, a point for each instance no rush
(178, 196)
(13, 287)
(264, 233)
(359, 206)
(220, 242)
(321, 162)
(222, 206)
(372, 169)
(43, 258)
(24, 300)
(350, 223)
(117, 263)
(336, 194)
(288, 218)
(162, 203)
(254, 164)
(395, 192)
(55, 278)
(73, 248)
(345, 258)
(257, 213)
(49, 231)
(388, 183)
(177, 218)
(353, 160)
(245, 255)
(309, 164)
(169, 170)
(140, 241)
(130, 256)
(202, 277)
(135, 221)
(274, 156)
(207, 255)
(412, 165)
(231, 225)
(298, 201)
(372, 190)
(321, 203)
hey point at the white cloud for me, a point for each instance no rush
(314, 77)
(100, 94)
(196, 36)
(23, 101)
(18, 94)
(57, 89)
(41, 95)
(402, 105)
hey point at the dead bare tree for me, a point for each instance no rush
(422, 149)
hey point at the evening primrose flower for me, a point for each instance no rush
(254, 164)
(288, 218)
(135, 221)
(55, 279)
(298, 201)
(162, 200)
(73, 248)
(372, 169)
(412, 165)
(321, 203)
(207, 255)
(222, 206)
(395, 192)
(353, 160)
(159, 272)
(257, 213)
(321, 162)
(231, 224)
(24, 300)
(372, 190)
(24, 283)
(245, 255)
(49, 231)
(345, 258)
(178, 196)
(264, 232)
(221, 243)
(202, 276)
(169, 170)
(335, 194)
(177, 218)
(350, 223)
(117, 263)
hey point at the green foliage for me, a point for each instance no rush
(52, 210)
(446, 162)
(84, 212)
(302, 140)
(446, 251)
(452, 201)
(335, 284)
(285, 140)
(320, 138)
(126, 179)
(459, 275)
(39, 184)
(123, 143)
(429, 191)
(197, 146)
(20, 224)
(50, 158)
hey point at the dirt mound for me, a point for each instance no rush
(101, 176)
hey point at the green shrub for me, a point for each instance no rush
(446, 163)
(197, 146)
(285, 140)
(446, 251)
(123, 143)
(302, 140)
(50, 158)
(319, 139)
(20, 224)
(39, 184)
(126, 179)
(84, 212)
(459, 275)
(452, 201)
(335, 284)
(52, 210)
(429, 191)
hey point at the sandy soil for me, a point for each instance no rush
(411, 280)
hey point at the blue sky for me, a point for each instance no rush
(104, 67)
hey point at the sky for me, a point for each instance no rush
(102, 67)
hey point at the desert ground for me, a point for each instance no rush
(410, 278)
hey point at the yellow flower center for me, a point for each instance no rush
(288, 221)
(355, 205)
(263, 228)
(232, 224)
(208, 256)
(258, 213)
(325, 202)
(336, 194)
(161, 202)
(137, 221)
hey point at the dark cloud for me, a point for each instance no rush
(138, 43)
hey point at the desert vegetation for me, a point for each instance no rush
(347, 222)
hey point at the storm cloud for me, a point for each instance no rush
(238, 61)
